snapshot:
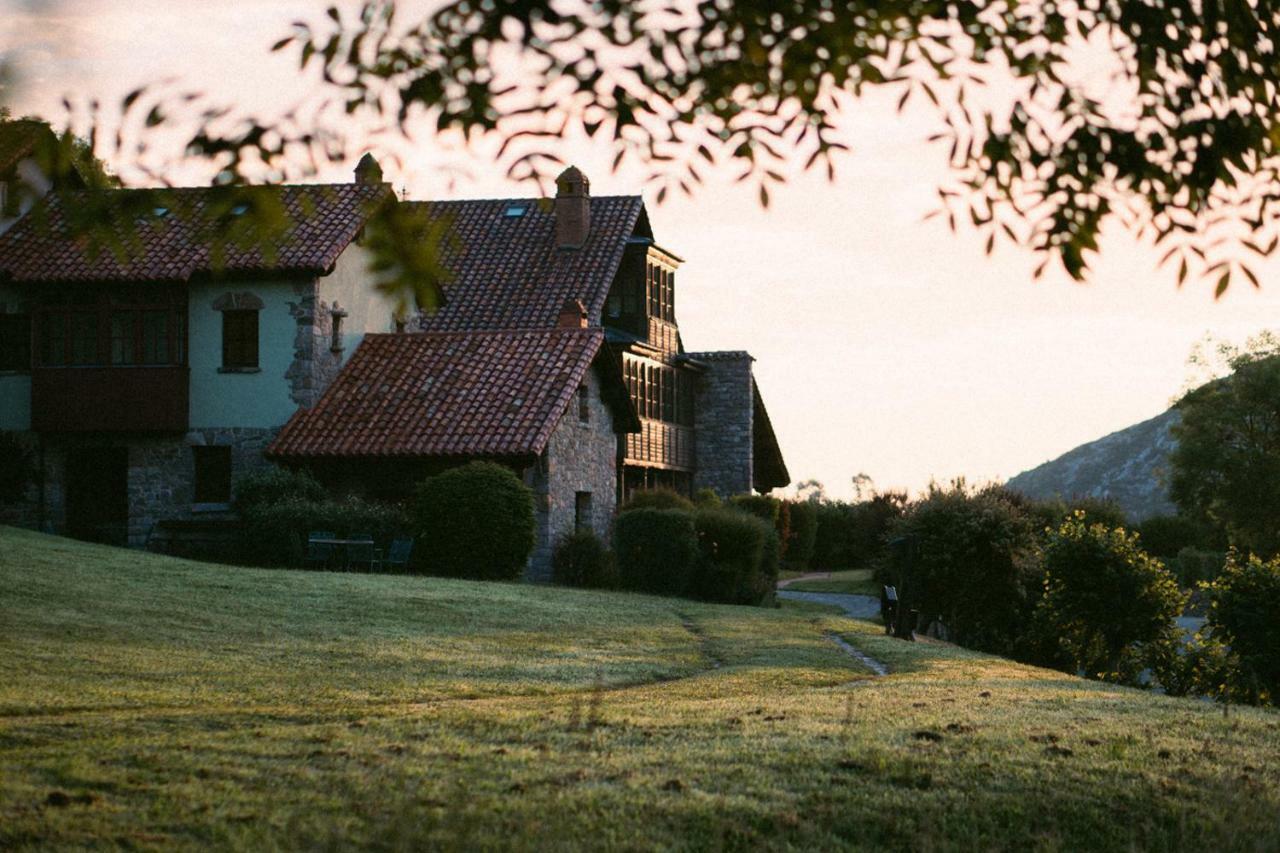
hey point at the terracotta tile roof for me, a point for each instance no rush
(496, 393)
(510, 273)
(18, 140)
(321, 219)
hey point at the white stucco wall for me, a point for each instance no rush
(350, 287)
(258, 399)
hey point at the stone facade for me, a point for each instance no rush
(160, 479)
(315, 361)
(579, 458)
(723, 412)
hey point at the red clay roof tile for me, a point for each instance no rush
(493, 393)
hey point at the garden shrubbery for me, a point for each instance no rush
(657, 499)
(475, 521)
(581, 559)
(274, 532)
(1244, 613)
(656, 550)
(973, 566)
(1106, 599)
(737, 557)
(270, 484)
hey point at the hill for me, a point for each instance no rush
(1127, 466)
(148, 702)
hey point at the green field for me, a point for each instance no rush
(849, 582)
(147, 702)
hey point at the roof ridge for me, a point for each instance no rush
(635, 196)
(472, 333)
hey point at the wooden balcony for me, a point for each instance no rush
(661, 445)
(109, 399)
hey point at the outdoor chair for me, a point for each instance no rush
(319, 554)
(361, 552)
(398, 554)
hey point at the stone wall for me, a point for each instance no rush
(315, 363)
(723, 410)
(161, 474)
(579, 458)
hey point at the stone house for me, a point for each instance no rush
(143, 385)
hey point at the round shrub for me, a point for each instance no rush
(581, 559)
(271, 484)
(731, 557)
(475, 521)
(706, 497)
(972, 566)
(657, 499)
(655, 550)
(1244, 612)
(1106, 598)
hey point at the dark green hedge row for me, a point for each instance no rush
(711, 553)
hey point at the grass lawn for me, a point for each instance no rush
(851, 582)
(147, 702)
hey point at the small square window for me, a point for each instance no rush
(240, 339)
(212, 475)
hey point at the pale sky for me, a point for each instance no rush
(885, 344)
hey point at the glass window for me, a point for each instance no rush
(582, 511)
(84, 338)
(15, 341)
(123, 337)
(212, 475)
(155, 337)
(239, 338)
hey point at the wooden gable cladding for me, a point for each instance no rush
(662, 395)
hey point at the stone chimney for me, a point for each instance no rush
(573, 315)
(368, 171)
(573, 209)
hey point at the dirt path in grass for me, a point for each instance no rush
(811, 576)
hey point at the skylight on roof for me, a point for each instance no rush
(514, 210)
(240, 209)
(159, 211)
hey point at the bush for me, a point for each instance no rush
(475, 521)
(761, 506)
(973, 566)
(1106, 598)
(1244, 612)
(737, 557)
(272, 485)
(1164, 536)
(655, 550)
(581, 559)
(706, 497)
(657, 499)
(804, 532)
(1193, 566)
(276, 533)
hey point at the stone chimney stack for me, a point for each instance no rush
(368, 171)
(573, 315)
(573, 209)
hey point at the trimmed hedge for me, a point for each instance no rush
(731, 566)
(475, 521)
(272, 485)
(657, 499)
(656, 550)
(581, 559)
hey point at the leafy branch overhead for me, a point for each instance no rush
(1058, 118)
(1178, 142)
